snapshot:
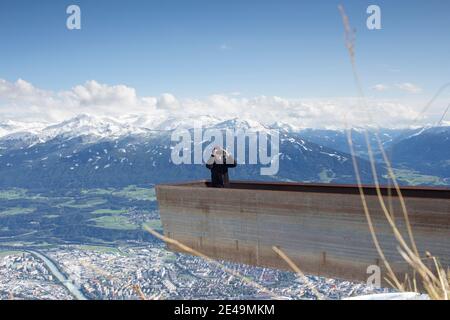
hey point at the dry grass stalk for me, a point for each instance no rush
(436, 286)
(194, 252)
(428, 105)
(297, 270)
(105, 274)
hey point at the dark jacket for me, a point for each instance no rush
(219, 172)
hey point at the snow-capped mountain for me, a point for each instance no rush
(82, 125)
(107, 127)
(240, 124)
(338, 139)
(101, 128)
(426, 151)
(11, 127)
(102, 151)
(86, 151)
(112, 128)
(85, 125)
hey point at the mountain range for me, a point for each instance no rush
(88, 151)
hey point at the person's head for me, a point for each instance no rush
(217, 152)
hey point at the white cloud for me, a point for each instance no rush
(22, 101)
(380, 87)
(409, 87)
(168, 101)
(93, 92)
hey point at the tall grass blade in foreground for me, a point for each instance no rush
(435, 282)
(194, 252)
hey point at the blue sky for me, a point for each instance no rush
(194, 49)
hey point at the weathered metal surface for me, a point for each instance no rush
(322, 228)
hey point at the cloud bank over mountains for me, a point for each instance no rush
(21, 100)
